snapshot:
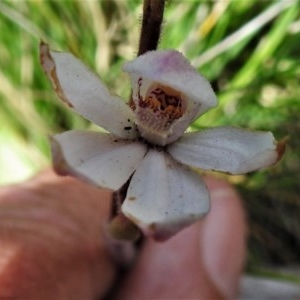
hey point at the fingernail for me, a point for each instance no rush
(223, 240)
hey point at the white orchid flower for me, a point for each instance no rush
(147, 140)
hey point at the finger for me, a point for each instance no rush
(224, 238)
(51, 236)
(199, 262)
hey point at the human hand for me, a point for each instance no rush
(53, 247)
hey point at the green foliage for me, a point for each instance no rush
(248, 49)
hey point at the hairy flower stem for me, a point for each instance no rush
(153, 11)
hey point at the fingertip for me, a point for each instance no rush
(223, 237)
(170, 270)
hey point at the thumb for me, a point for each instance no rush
(223, 238)
(204, 261)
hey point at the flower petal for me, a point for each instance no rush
(164, 197)
(226, 149)
(170, 69)
(83, 91)
(96, 157)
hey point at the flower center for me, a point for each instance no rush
(164, 101)
(157, 110)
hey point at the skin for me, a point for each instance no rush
(53, 246)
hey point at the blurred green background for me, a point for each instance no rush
(249, 50)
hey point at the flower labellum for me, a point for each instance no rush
(168, 94)
(146, 140)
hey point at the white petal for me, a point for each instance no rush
(164, 197)
(170, 68)
(97, 157)
(226, 149)
(83, 91)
